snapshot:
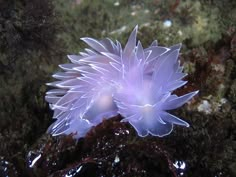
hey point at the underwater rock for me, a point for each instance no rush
(110, 149)
(7, 169)
(49, 155)
(83, 169)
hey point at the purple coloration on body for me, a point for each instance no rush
(106, 80)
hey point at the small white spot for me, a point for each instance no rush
(205, 106)
(78, 170)
(180, 33)
(117, 159)
(146, 11)
(133, 13)
(167, 23)
(35, 160)
(117, 3)
(119, 31)
(180, 165)
(121, 146)
(146, 24)
(223, 100)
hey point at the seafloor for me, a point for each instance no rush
(36, 36)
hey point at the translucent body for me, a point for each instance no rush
(106, 80)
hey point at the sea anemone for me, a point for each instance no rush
(106, 80)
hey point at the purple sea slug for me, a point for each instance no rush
(106, 80)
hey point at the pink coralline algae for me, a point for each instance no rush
(105, 80)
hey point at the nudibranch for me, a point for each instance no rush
(105, 80)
